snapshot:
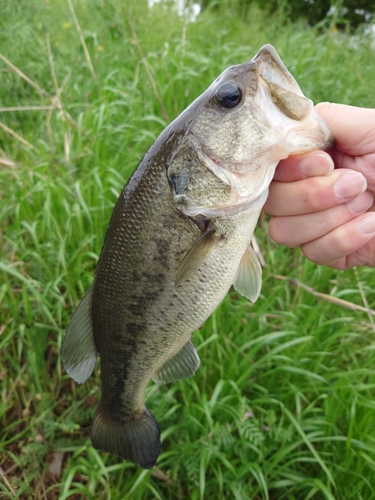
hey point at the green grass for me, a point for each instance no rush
(283, 404)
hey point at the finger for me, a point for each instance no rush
(293, 231)
(314, 194)
(363, 164)
(364, 256)
(342, 241)
(348, 125)
(298, 167)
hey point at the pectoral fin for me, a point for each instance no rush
(195, 257)
(249, 276)
(184, 364)
(78, 351)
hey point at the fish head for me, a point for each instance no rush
(252, 116)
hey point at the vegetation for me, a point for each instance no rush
(282, 406)
(343, 14)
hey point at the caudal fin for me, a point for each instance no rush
(136, 438)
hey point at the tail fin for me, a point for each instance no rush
(136, 438)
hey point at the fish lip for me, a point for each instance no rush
(215, 167)
(230, 171)
(327, 133)
(228, 174)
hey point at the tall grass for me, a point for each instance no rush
(282, 406)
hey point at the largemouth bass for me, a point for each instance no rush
(178, 238)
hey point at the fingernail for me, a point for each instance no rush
(316, 164)
(367, 224)
(350, 185)
(361, 203)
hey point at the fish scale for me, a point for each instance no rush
(178, 238)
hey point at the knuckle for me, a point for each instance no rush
(314, 195)
(274, 232)
(328, 249)
(279, 234)
(341, 244)
(309, 251)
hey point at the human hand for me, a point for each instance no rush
(324, 202)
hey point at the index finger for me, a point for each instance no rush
(314, 194)
(298, 167)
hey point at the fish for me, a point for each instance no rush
(179, 237)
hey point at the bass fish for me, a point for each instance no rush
(178, 238)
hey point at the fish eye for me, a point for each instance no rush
(228, 95)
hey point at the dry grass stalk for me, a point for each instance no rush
(149, 74)
(324, 296)
(7, 162)
(59, 102)
(159, 474)
(27, 108)
(82, 40)
(364, 298)
(236, 347)
(5, 479)
(52, 67)
(22, 75)
(18, 137)
(55, 104)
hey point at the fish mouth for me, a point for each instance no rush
(215, 168)
(239, 202)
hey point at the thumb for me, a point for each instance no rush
(352, 127)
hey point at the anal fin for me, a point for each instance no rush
(78, 350)
(184, 364)
(249, 276)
